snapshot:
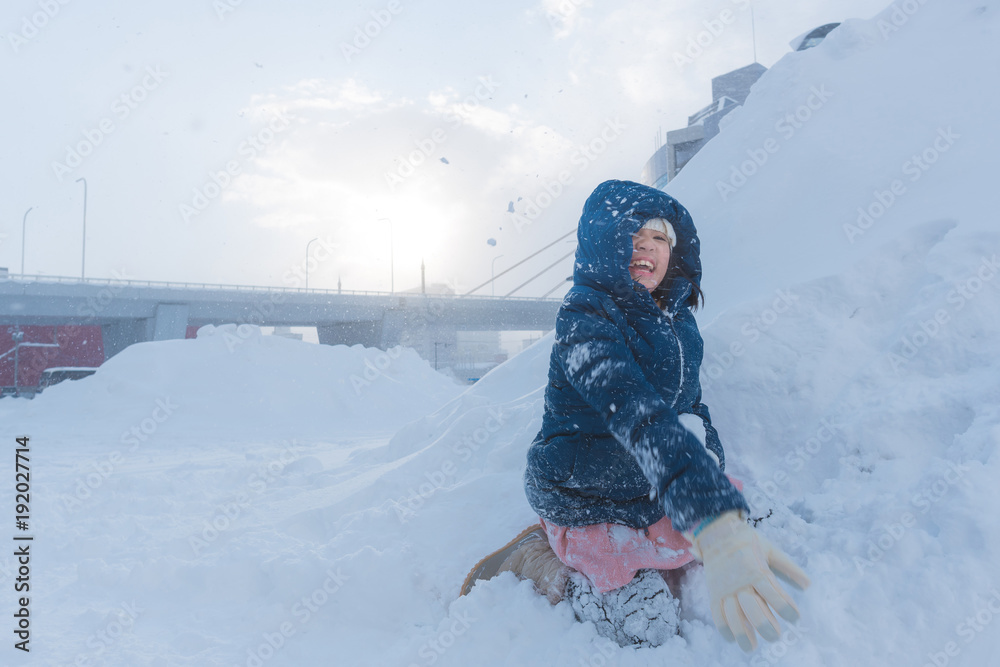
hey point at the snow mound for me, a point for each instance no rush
(842, 148)
(233, 374)
(861, 409)
(862, 420)
(853, 385)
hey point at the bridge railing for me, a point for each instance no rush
(244, 288)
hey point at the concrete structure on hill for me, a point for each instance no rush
(729, 91)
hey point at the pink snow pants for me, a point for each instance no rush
(610, 554)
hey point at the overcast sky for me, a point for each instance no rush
(218, 137)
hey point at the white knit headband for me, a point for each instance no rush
(662, 225)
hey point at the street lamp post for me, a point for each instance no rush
(492, 266)
(307, 261)
(24, 223)
(436, 343)
(83, 253)
(392, 279)
(17, 336)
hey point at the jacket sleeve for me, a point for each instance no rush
(600, 367)
(712, 442)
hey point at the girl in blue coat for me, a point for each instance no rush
(626, 473)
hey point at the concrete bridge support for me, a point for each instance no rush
(171, 321)
(364, 332)
(122, 333)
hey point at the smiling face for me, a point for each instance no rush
(650, 257)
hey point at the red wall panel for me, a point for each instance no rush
(78, 346)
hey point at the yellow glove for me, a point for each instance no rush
(741, 586)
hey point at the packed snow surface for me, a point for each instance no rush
(248, 500)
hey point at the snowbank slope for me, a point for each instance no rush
(839, 149)
(282, 519)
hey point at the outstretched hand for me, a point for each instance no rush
(740, 568)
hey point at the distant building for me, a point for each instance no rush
(476, 353)
(286, 332)
(812, 38)
(728, 92)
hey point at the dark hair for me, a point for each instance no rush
(674, 272)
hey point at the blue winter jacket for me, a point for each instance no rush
(611, 449)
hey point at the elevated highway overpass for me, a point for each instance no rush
(130, 311)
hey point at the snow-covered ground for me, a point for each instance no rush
(248, 500)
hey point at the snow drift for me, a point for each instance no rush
(284, 520)
(234, 375)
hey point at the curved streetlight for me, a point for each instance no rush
(24, 223)
(83, 253)
(392, 279)
(492, 265)
(307, 261)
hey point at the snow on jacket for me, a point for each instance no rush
(611, 448)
